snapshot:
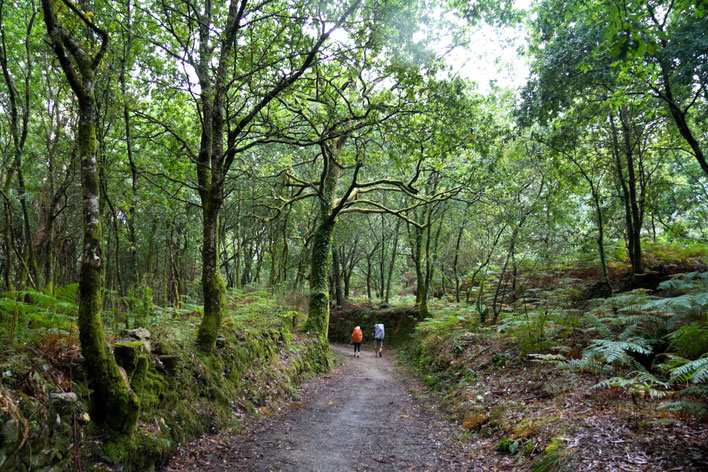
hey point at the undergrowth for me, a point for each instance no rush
(259, 359)
(648, 347)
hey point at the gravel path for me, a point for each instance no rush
(367, 415)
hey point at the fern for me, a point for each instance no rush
(598, 325)
(695, 302)
(689, 408)
(691, 371)
(593, 366)
(616, 352)
(551, 358)
(634, 386)
(32, 312)
(685, 282)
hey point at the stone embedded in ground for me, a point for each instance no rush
(64, 401)
(139, 334)
(11, 431)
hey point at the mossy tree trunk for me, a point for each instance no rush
(318, 307)
(337, 275)
(213, 286)
(211, 172)
(113, 400)
(7, 238)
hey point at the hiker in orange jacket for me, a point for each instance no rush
(357, 337)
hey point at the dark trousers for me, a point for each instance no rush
(357, 347)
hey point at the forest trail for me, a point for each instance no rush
(367, 415)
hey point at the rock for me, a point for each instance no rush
(64, 398)
(127, 354)
(11, 431)
(139, 334)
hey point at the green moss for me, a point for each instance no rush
(127, 354)
(215, 295)
(555, 458)
(203, 392)
(138, 378)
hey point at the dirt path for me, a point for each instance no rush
(366, 416)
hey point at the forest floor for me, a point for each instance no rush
(367, 414)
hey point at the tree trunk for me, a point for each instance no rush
(679, 117)
(113, 400)
(601, 240)
(635, 235)
(150, 257)
(454, 264)
(628, 192)
(318, 309)
(213, 286)
(392, 264)
(337, 275)
(368, 278)
(7, 237)
(421, 291)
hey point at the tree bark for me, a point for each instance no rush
(337, 275)
(628, 192)
(454, 264)
(318, 308)
(213, 286)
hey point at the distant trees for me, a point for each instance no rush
(608, 80)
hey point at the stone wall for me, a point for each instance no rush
(183, 394)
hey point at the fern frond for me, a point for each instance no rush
(694, 371)
(617, 351)
(634, 386)
(694, 390)
(586, 365)
(598, 325)
(646, 377)
(692, 408)
(629, 298)
(67, 293)
(10, 306)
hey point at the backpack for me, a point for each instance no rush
(357, 336)
(379, 331)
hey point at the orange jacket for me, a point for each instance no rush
(357, 336)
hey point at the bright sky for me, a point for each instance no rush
(492, 55)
